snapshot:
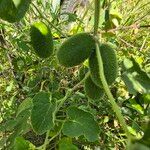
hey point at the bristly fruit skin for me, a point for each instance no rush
(13, 10)
(110, 65)
(41, 39)
(93, 91)
(76, 50)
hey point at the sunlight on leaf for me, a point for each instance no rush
(79, 123)
(42, 114)
(135, 78)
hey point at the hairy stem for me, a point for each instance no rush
(115, 107)
(69, 92)
(46, 140)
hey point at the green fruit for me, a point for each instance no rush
(76, 49)
(13, 10)
(41, 39)
(92, 91)
(109, 64)
(82, 72)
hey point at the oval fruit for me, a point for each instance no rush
(13, 10)
(76, 49)
(92, 91)
(109, 63)
(41, 39)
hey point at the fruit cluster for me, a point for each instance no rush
(80, 47)
(74, 51)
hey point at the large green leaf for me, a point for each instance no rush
(135, 78)
(79, 123)
(20, 127)
(42, 114)
(22, 144)
(66, 144)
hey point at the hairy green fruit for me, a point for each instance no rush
(82, 72)
(92, 91)
(76, 49)
(13, 10)
(41, 39)
(109, 63)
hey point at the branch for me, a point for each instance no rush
(133, 26)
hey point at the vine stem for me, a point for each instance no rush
(69, 92)
(115, 107)
(46, 140)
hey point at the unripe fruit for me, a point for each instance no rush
(76, 50)
(13, 10)
(41, 39)
(109, 63)
(92, 91)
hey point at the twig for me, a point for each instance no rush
(134, 26)
(144, 43)
(128, 44)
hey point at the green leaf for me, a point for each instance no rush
(42, 114)
(26, 104)
(23, 45)
(146, 98)
(135, 78)
(21, 127)
(79, 123)
(66, 144)
(22, 144)
(9, 125)
(10, 87)
(134, 105)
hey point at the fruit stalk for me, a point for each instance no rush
(115, 107)
(69, 92)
